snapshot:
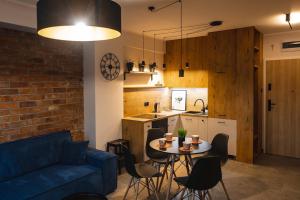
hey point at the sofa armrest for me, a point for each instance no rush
(107, 163)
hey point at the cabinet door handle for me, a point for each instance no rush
(222, 115)
(219, 122)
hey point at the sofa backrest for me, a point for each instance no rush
(26, 155)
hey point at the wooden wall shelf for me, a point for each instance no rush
(142, 87)
(140, 73)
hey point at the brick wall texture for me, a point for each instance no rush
(41, 88)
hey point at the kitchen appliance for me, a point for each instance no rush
(161, 123)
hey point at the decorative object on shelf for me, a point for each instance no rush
(181, 136)
(110, 66)
(152, 67)
(179, 100)
(129, 66)
(78, 20)
(141, 67)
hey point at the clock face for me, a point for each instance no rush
(110, 66)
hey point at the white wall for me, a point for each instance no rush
(272, 45)
(272, 51)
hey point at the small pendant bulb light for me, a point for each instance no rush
(79, 20)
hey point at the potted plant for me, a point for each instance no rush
(181, 136)
(129, 66)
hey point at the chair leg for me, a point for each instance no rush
(147, 183)
(165, 171)
(137, 191)
(193, 195)
(182, 194)
(129, 186)
(187, 164)
(154, 188)
(223, 185)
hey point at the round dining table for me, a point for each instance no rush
(172, 149)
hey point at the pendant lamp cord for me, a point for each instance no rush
(154, 47)
(143, 45)
(181, 32)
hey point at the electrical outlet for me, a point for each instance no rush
(146, 103)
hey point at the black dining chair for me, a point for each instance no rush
(158, 158)
(206, 174)
(219, 148)
(141, 174)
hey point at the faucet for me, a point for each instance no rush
(203, 106)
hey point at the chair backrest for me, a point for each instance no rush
(220, 146)
(153, 134)
(205, 174)
(129, 162)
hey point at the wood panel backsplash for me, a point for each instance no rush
(134, 99)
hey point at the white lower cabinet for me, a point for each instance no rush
(195, 125)
(203, 128)
(147, 126)
(173, 124)
(226, 126)
(190, 124)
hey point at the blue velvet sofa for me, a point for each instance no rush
(31, 169)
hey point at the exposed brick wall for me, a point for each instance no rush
(40, 86)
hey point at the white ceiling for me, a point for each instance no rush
(266, 15)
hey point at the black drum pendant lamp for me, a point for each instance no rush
(79, 20)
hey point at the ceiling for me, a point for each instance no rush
(266, 15)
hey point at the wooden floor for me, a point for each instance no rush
(271, 178)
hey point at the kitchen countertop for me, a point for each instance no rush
(165, 114)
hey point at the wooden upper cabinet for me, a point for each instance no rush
(222, 74)
(195, 53)
(222, 51)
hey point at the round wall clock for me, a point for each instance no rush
(110, 66)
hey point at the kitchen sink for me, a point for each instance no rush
(196, 113)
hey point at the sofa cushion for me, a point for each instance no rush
(74, 153)
(32, 184)
(23, 156)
